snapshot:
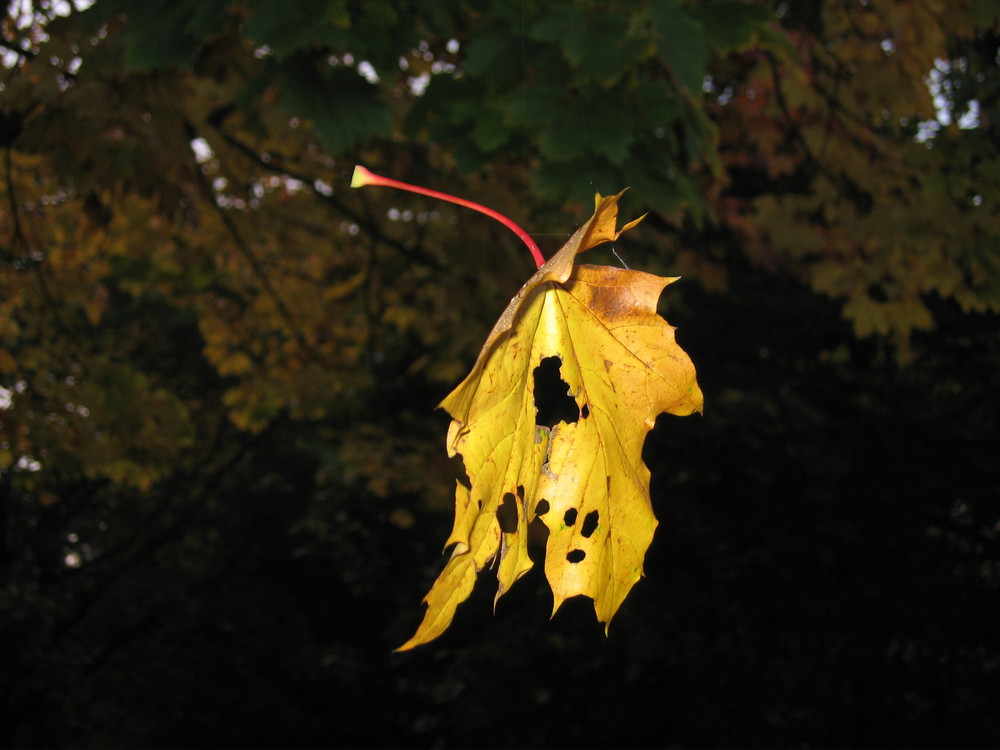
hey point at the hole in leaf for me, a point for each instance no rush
(538, 536)
(542, 507)
(507, 514)
(584, 412)
(552, 400)
(569, 518)
(575, 555)
(589, 524)
(520, 491)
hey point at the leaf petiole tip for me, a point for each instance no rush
(362, 177)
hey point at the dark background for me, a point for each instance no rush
(825, 572)
(824, 575)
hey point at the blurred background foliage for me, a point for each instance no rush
(223, 484)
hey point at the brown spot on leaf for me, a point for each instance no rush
(609, 302)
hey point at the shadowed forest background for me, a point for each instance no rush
(223, 478)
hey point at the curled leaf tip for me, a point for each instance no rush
(632, 223)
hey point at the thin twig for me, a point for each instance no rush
(258, 270)
(848, 188)
(278, 166)
(26, 54)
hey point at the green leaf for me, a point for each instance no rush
(563, 27)
(344, 108)
(490, 133)
(583, 41)
(563, 137)
(490, 54)
(160, 40)
(680, 44)
(731, 24)
(659, 102)
(575, 180)
(294, 25)
(654, 185)
(160, 35)
(531, 106)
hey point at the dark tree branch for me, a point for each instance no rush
(24, 53)
(847, 187)
(258, 268)
(277, 165)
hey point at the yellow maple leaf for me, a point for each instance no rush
(584, 478)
